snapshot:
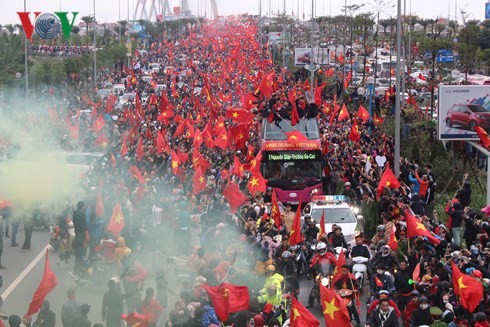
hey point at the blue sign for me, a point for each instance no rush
(441, 58)
(487, 10)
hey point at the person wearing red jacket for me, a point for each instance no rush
(150, 307)
(411, 306)
(384, 295)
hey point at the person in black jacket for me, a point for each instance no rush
(456, 213)
(46, 317)
(383, 316)
(80, 224)
(421, 315)
(464, 194)
(417, 205)
(403, 287)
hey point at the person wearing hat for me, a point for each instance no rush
(411, 306)
(82, 320)
(384, 316)
(273, 295)
(436, 314)
(349, 192)
(272, 278)
(380, 280)
(383, 295)
(421, 315)
(338, 239)
(481, 320)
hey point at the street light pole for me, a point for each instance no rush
(398, 84)
(26, 64)
(95, 49)
(284, 36)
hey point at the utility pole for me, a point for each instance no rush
(260, 22)
(397, 104)
(312, 57)
(95, 49)
(26, 64)
(284, 36)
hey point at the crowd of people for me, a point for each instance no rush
(175, 162)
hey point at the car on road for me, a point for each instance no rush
(468, 116)
(337, 211)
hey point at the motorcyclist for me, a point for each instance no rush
(402, 285)
(386, 257)
(380, 235)
(347, 281)
(272, 278)
(349, 192)
(382, 295)
(337, 239)
(381, 280)
(362, 250)
(273, 295)
(312, 231)
(286, 264)
(321, 257)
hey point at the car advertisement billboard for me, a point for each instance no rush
(302, 56)
(461, 108)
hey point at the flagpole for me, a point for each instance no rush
(26, 64)
(95, 50)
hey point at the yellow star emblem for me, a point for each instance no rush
(221, 125)
(296, 314)
(254, 181)
(224, 137)
(201, 180)
(420, 226)
(388, 183)
(235, 114)
(330, 308)
(118, 218)
(175, 164)
(225, 292)
(460, 283)
(240, 136)
(164, 114)
(293, 137)
(198, 137)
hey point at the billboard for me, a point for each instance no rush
(461, 108)
(302, 56)
(487, 10)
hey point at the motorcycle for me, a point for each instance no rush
(347, 296)
(89, 275)
(323, 275)
(359, 269)
(299, 257)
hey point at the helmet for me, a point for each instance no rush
(321, 247)
(381, 228)
(286, 255)
(270, 268)
(385, 250)
(347, 184)
(384, 294)
(477, 274)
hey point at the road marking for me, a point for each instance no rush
(25, 272)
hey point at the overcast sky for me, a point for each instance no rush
(111, 10)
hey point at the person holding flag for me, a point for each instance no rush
(347, 281)
(381, 280)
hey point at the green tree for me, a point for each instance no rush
(87, 20)
(75, 30)
(468, 43)
(11, 57)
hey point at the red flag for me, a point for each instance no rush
(135, 319)
(234, 196)
(239, 116)
(344, 113)
(237, 167)
(4, 204)
(295, 236)
(140, 151)
(98, 124)
(73, 130)
(222, 141)
(295, 137)
(294, 116)
(416, 228)
(256, 183)
(322, 225)
(175, 162)
(228, 298)
(102, 140)
(99, 205)
(337, 273)
(422, 77)
(300, 316)
(160, 142)
(199, 181)
(334, 310)
(124, 147)
(470, 290)
(47, 284)
(483, 135)
(250, 152)
(275, 212)
(393, 243)
(135, 172)
(378, 120)
(354, 134)
(378, 282)
(388, 179)
(266, 85)
(116, 224)
(363, 113)
(240, 135)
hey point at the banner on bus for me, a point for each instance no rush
(302, 56)
(461, 109)
(285, 145)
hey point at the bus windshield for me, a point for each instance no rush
(286, 169)
(276, 131)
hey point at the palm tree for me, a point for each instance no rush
(10, 28)
(87, 20)
(75, 29)
(11, 54)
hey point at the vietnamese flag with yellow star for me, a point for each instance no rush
(300, 316)
(239, 115)
(363, 113)
(175, 162)
(256, 183)
(388, 179)
(333, 308)
(343, 114)
(378, 120)
(295, 236)
(295, 137)
(199, 181)
(483, 135)
(228, 298)
(470, 290)
(234, 196)
(416, 228)
(275, 212)
(354, 134)
(116, 224)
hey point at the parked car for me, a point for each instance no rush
(468, 116)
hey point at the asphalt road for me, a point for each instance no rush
(25, 269)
